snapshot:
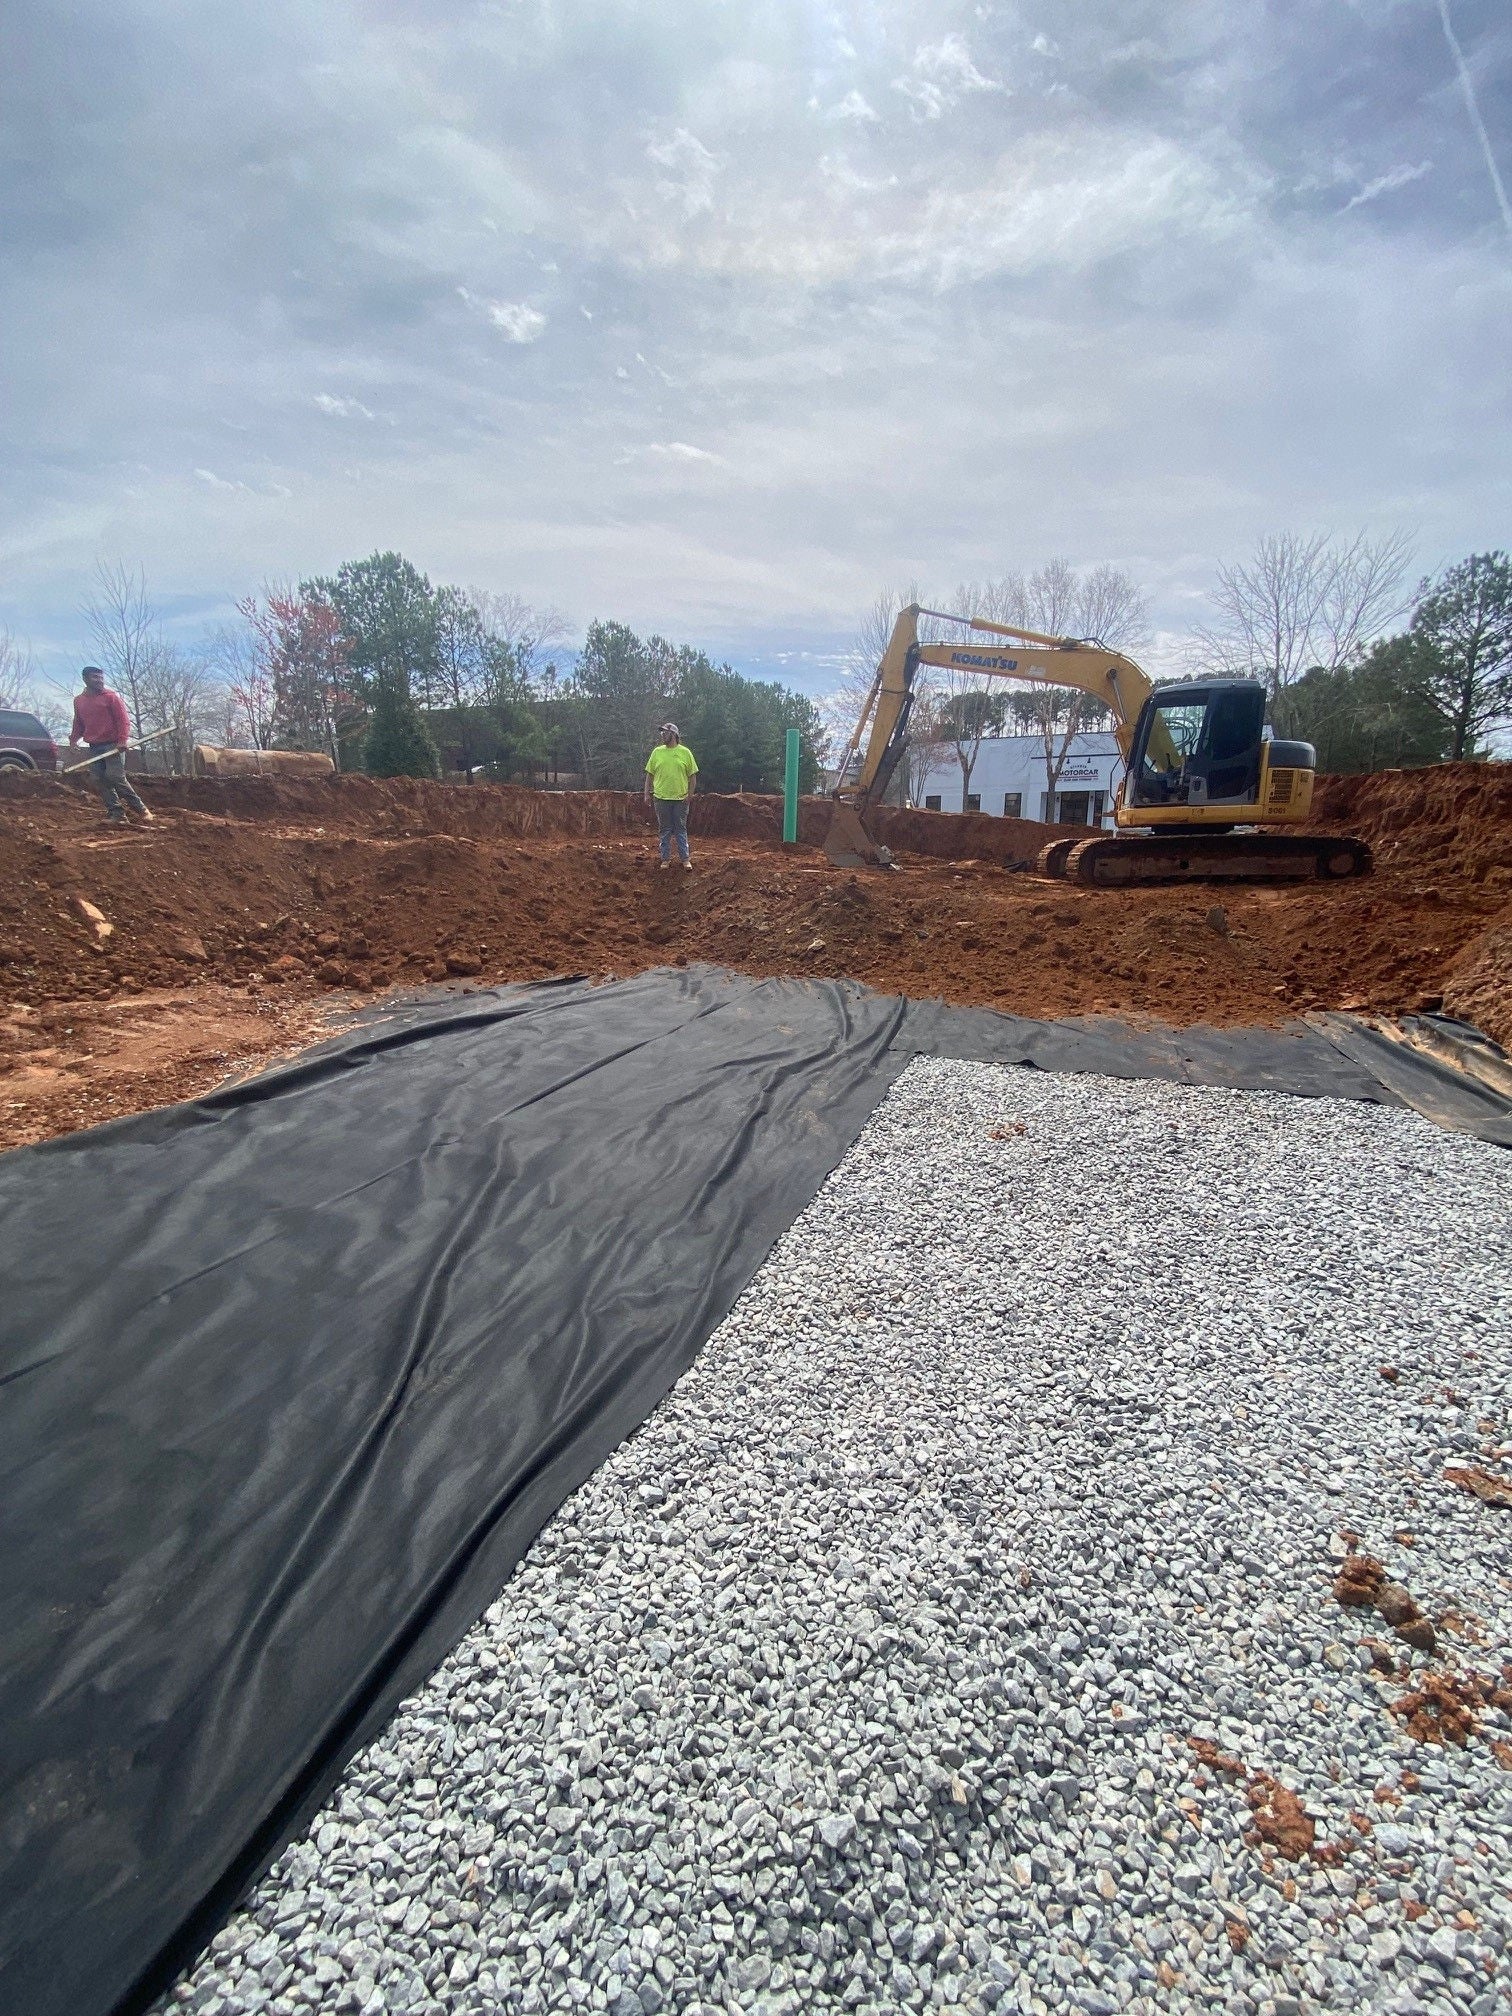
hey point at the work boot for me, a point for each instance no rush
(118, 816)
(689, 866)
(664, 865)
(146, 813)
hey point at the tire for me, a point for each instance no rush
(11, 760)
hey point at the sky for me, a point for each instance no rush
(718, 319)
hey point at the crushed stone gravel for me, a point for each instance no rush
(960, 1633)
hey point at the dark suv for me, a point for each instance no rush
(24, 743)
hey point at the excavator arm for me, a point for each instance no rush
(1029, 654)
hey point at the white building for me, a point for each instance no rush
(1010, 780)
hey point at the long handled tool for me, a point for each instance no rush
(104, 755)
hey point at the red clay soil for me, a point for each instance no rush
(252, 908)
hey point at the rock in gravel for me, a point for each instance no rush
(960, 1633)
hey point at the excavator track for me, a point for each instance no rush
(1051, 860)
(1120, 860)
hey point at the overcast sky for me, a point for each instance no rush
(717, 318)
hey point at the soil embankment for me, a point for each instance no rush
(251, 910)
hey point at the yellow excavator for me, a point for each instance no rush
(1204, 786)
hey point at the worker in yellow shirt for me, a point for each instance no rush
(670, 771)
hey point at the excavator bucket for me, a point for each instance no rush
(849, 845)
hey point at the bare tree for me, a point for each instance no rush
(1303, 599)
(125, 630)
(526, 631)
(179, 694)
(843, 708)
(18, 672)
(236, 658)
(1103, 604)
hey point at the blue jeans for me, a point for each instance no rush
(672, 824)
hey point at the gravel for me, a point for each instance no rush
(866, 1675)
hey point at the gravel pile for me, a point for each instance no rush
(961, 1632)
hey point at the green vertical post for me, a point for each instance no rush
(790, 791)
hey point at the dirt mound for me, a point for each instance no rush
(1453, 819)
(281, 891)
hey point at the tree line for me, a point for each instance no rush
(387, 673)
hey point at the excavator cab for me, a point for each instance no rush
(1199, 745)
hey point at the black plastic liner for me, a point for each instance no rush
(291, 1376)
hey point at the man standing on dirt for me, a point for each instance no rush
(670, 770)
(99, 718)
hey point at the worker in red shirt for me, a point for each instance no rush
(99, 718)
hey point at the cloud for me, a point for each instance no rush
(341, 409)
(941, 75)
(691, 171)
(212, 481)
(829, 277)
(853, 108)
(1394, 178)
(516, 321)
(676, 451)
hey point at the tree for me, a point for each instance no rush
(1456, 658)
(519, 733)
(1103, 604)
(624, 687)
(964, 712)
(527, 630)
(737, 727)
(18, 673)
(398, 742)
(1302, 600)
(463, 673)
(387, 613)
(1363, 716)
(302, 653)
(124, 628)
(180, 702)
(236, 654)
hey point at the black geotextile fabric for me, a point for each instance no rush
(291, 1376)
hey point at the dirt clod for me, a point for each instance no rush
(1442, 1708)
(1281, 1820)
(1216, 1759)
(1358, 1582)
(1478, 1483)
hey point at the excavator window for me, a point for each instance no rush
(1175, 733)
(1202, 747)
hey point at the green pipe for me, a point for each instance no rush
(790, 791)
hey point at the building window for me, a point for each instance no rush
(973, 801)
(932, 802)
(1013, 804)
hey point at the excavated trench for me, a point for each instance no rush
(248, 916)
